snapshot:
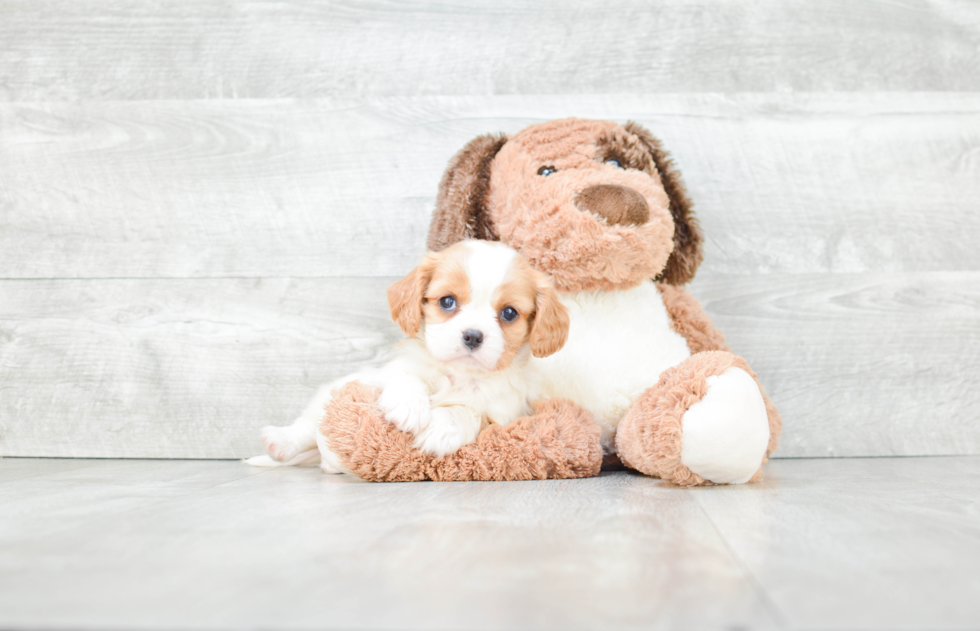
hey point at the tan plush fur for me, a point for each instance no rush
(560, 440)
(580, 250)
(690, 321)
(537, 215)
(686, 257)
(463, 195)
(649, 436)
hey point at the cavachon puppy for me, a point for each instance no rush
(474, 314)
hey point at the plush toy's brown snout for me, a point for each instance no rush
(594, 204)
(620, 205)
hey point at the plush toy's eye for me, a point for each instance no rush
(448, 303)
(615, 162)
(546, 171)
(509, 314)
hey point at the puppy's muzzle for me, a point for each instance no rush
(472, 338)
(618, 204)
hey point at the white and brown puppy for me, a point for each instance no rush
(474, 314)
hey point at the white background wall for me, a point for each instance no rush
(201, 203)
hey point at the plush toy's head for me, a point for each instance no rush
(594, 204)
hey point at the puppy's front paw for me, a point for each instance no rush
(443, 435)
(406, 406)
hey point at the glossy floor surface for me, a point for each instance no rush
(820, 544)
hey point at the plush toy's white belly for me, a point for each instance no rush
(618, 344)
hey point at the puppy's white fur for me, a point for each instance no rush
(435, 387)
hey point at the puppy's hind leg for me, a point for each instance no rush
(283, 444)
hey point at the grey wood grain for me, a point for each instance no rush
(859, 364)
(124, 49)
(781, 183)
(888, 543)
(175, 368)
(882, 543)
(177, 544)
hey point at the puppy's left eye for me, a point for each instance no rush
(616, 163)
(509, 314)
(447, 302)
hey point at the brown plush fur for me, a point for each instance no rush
(648, 438)
(689, 320)
(560, 440)
(463, 195)
(686, 257)
(539, 215)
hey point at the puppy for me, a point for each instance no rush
(474, 315)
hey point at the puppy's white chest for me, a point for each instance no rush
(501, 396)
(618, 344)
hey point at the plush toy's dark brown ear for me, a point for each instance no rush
(686, 257)
(461, 206)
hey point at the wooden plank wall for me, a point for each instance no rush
(202, 203)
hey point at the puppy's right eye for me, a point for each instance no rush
(546, 171)
(448, 303)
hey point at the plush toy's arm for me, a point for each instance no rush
(688, 319)
(559, 440)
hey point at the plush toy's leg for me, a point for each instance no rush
(560, 440)
(707, 421)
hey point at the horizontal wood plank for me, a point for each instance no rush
(859, 364)
(338, 188)
(175, 368)
(126, 49)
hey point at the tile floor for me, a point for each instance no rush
(820, 544)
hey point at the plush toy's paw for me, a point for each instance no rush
(726, 432)
(407, 406)
(560, 440)
(706, 422)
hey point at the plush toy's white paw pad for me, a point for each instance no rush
(726, 433)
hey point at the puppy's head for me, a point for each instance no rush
(479, 304)
(594, 204)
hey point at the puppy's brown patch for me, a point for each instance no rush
(517, 291)
(449, 278)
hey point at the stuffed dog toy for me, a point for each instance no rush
(599, 207)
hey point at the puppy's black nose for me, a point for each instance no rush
(472, 338)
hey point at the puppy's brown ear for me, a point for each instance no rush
(406, 295)
(461, 205)
(686, 257)
(549, 330)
